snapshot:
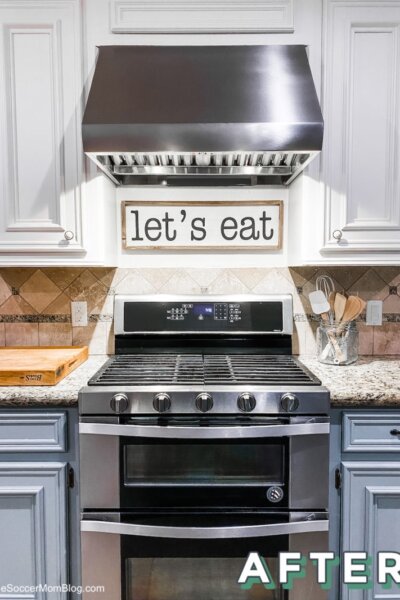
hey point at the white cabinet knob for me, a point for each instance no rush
(69, 235)
(337, 235)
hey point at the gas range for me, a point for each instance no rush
(202, 430)
(203, 355)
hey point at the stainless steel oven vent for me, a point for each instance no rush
(242, 114)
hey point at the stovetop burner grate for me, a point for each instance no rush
(203, 369)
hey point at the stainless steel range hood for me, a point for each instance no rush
(202, 114)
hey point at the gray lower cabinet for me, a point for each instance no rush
(370, 516)
(39, 548)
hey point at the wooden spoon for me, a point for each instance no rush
(354, 307)
(339, 306)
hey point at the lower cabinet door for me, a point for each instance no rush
(371, 519)
(33, 528)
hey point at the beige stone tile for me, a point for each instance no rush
(180, 283)
(300, 275)
(156, 277)
(387, 339)
(5, 291)
(388, 274)
(299, 337)
(15, 305)
(250, 277)
(347, 276)
(365, 339)
(2, 334)
(369, 286)
(311, 285)
(39, 291)
(95, 335)
(274, 282)
(391, 304)
(16, 276)
(22, 334)
(204, 277)
(227, 283)
(311, 339)
(88, 288)
(55, 334)
(63, 276)
(110, 276)
(60, 306)
(134, 283)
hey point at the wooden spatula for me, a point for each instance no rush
(339, 306)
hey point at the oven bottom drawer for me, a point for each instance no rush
(165, 557)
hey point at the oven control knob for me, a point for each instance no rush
(204, 402)
(246, 402)
(289, 402)
(162, 402)
(119, 403)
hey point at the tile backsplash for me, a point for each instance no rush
(35, 304)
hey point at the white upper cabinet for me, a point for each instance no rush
(40, 120)
(361, 158)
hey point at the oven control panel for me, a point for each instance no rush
(204, 315)
(216, 311)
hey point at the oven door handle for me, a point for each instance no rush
(211, 533)
(173, 432)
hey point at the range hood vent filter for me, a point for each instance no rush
(156, 113)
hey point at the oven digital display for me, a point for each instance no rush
(206, 310)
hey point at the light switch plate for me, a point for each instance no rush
(374, 312)
(79, 314)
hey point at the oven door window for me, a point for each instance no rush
(200, 569)
(215, 462)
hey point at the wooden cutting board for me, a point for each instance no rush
(47, 365)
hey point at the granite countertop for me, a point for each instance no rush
(372, 381)
(64, 393)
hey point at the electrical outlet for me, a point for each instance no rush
(79, 314)
(374, 312)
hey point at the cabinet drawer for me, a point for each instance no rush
(365, 432)
(33, 432)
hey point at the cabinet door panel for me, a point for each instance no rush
(33, 529)
(370, 517)
(40, 87)
(362, 96)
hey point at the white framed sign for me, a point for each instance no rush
(247, 225)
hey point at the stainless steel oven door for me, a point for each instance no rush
(163, 557)
(128, 465)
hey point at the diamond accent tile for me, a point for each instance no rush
(16, 305)
(180, 283)
(134, 283)
(5, 291)
(60, 306)
(250, 277)
(369, 286)
(15, 277)
(88, 288)
(39, 291)
(157, 277)
(204, 277)
(227, 283)
(62, 276)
